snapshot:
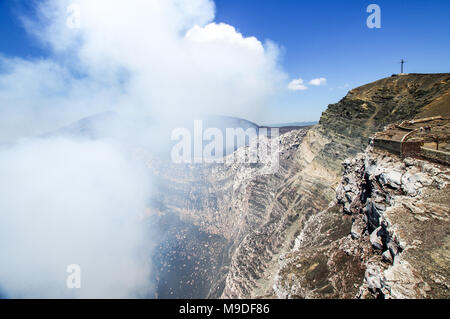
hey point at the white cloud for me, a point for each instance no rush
(297, 85)
(224, 34)
(66, 202)
(157, 58)
(154, 57)
(318, 81)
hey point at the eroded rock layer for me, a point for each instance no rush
(386, 235)
(304, 231)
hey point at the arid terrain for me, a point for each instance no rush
(329, 224)
(342, 217)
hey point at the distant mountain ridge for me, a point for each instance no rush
(96, 126)
(294, 124)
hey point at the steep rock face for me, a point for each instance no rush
(254, 263)
(346, 127)
(367, 109)
(385, 236)
(257, 214)
(286, 234)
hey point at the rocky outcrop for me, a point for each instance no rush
(306, 232)
(254, 263)
(393, 216)
(329, 237)
(367, 109)
(257, 214)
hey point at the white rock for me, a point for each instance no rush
(387, 256)
(373, 278)
(391, 178)
(357, 229)
(376, 240)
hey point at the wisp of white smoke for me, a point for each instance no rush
(70, 201)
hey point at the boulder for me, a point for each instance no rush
(347, 208)
(357, 229)
(373, 215)
(373, 278)
(350, 197)
(393, 247)
(387, 257)
(376, 239)
(410, 162)
(391, 178)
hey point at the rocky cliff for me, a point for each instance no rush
(367, 109)
(343, 132)
(385, 236)
(306, 231)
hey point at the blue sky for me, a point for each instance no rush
(321, 38)
(330, 39)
